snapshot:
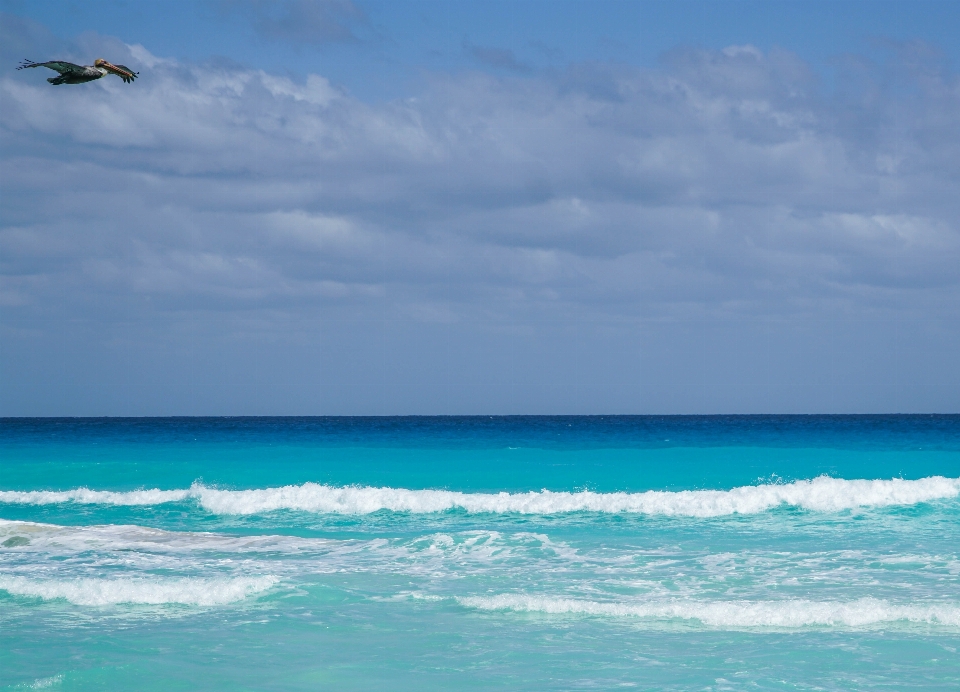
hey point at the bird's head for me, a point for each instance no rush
(125, 73)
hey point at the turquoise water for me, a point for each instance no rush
(723, 553)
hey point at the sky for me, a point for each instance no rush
(395, 208)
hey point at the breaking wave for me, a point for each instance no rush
(140, 590)
(822, 494)
(795, 613)
(85, 496)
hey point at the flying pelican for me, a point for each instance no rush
(78, 74)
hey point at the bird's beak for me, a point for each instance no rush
(116, 70)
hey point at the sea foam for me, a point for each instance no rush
(822, 494)
(85, 496)
(140, 590)
(793, 613)
(37, 537)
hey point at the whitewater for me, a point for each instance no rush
(822, 494)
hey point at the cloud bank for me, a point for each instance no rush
(724, 187)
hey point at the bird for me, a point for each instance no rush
(78, 74)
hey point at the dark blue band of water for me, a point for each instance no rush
(881, 432)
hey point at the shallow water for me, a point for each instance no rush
(789, 552)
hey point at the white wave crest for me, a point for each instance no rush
(85, 496)
(140, 590)
(784, 614)
(823, 494)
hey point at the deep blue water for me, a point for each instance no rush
(687, 552)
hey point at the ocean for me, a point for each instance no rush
(531, 553)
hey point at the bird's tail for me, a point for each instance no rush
(56, 80)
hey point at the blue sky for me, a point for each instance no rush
(386, 45)
(479, 207)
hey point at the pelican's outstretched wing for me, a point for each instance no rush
(65, 68)
(124, 72)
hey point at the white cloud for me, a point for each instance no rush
(224, 177)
